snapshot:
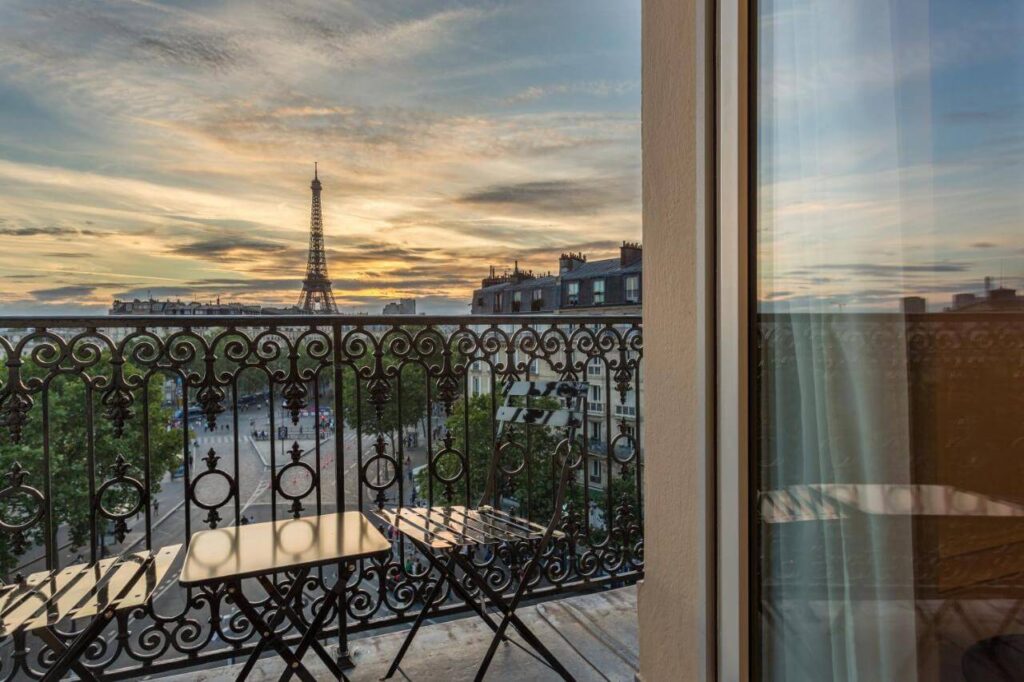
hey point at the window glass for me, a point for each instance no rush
(888, 379)
(572, 291)
(598, 291)
(632, 289)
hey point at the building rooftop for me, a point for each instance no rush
(601, 268)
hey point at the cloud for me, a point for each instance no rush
(227, 247)
(187, 50)
(68, 293)
(556, 196)
(882, 270)
(591, 88)
(47, 231)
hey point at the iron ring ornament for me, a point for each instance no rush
(16, 487)
(212, 472)
(294, 466)
(121, 479)
(356, 368)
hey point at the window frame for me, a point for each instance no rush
(735, 120)
(594, 291)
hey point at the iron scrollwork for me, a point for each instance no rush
(142, 382)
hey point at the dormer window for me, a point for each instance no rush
(572, 293)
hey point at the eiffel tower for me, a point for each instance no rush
(316, 296)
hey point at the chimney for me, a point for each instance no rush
(630, 253)
(570, 261)
(913, 305)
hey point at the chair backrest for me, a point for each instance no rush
(519, 408)
(569, 414)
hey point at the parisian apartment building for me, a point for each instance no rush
(609, 286)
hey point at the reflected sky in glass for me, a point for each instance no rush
(890, 152)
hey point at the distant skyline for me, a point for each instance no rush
(166, 148)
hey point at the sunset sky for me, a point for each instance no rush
(166, 148)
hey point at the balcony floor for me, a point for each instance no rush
(594, 636)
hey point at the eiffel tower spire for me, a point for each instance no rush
(316, 296)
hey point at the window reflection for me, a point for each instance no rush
(889, 382)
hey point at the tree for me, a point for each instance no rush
(68, 447)
(381, 395)
(532, 489)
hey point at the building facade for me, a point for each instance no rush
(168, 307)
(612, 285)
(403, 306)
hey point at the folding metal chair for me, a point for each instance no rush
(95, 591)
(454, 530)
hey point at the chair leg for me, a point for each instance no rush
(420, 617)
(457, 587)
(509, 616)
(68, 657)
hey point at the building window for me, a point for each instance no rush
(595, 471)
(476, 385)
(517, 301)
(538, 300)
(572, 293)
(633, 289)
(594, 368)
(625, 410)
(598, 287)
(499, 302)
(595, 432)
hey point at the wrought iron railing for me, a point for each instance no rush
(119, 433)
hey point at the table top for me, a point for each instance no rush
(224, 554)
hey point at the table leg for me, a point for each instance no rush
(267, 632)
(309, 634)
(345, 571)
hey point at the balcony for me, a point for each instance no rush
(125, 433)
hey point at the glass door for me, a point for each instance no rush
(887, 386)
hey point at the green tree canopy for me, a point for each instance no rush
(69, 460)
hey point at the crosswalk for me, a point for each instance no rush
(214, 440)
